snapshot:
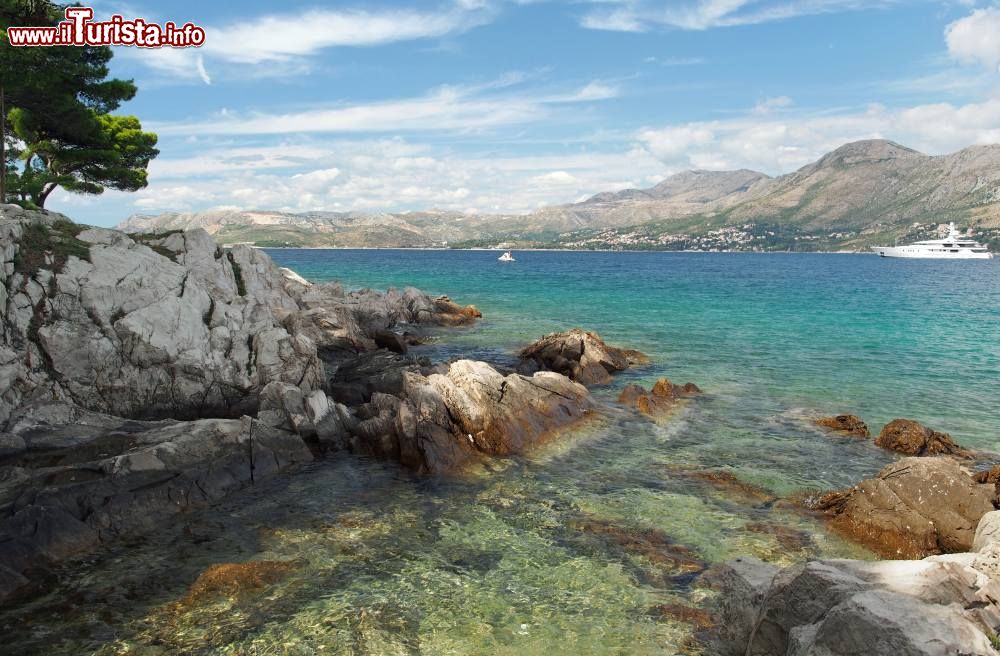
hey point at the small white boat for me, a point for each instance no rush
(952, 247)
(506, 257)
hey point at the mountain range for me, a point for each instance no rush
(856, 195)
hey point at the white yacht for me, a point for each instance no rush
(506, 257)
(953, 247)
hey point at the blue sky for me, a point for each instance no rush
(509, 105)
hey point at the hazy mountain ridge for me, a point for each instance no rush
(856, 192)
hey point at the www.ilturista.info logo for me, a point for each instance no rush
(79, 29)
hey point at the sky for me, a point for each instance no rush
(505, 106)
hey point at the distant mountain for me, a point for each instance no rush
(860, 192)
(683, 194)
(345, 229)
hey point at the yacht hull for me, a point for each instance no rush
(923, 254)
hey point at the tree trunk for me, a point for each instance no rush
(48, 189)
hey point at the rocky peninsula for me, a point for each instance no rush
(144, 375)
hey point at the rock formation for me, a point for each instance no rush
(989, 476)
(914, 508)
(580, 355)
(129, 366)
(939, 606)
(848, 424)
(844, 607)
(443, 422)
(660, 401)
(172, 326)
(108, 342)
(86, 478)
(914, 439)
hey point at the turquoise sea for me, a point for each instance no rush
(593, 544)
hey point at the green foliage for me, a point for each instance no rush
(115, 155)
(58, 241)
(146, 236)
(58, 103)
(995, 640)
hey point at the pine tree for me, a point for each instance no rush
(57, 117)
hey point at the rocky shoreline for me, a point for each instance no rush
(146, 375)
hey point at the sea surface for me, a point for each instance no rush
(593, 544)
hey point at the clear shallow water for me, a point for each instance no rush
(586, 546)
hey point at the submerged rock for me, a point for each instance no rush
(699, 618)
(728, 483)
(580, 355)
(914, 439)
(234, 579)
(915, 507)
(658, 402)
(652, 544)
(849, 424)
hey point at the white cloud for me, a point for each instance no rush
(675, 61)
(393, 175)
(614, 21)
(452, 109)
(780, 145)
(278, 37)
(593, 91)
(317, 180)
(641, 15)
(769, 105)
(556, 178)
(179, 63)
(975, 39)
(672, 142)
(280, 44)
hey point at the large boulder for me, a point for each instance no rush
(914, 507)
(444, 422)
(122, 481)
(580, 355)
(847, 424)
(914, 439)
(940, 606)
(171, 325)
(151, 327)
